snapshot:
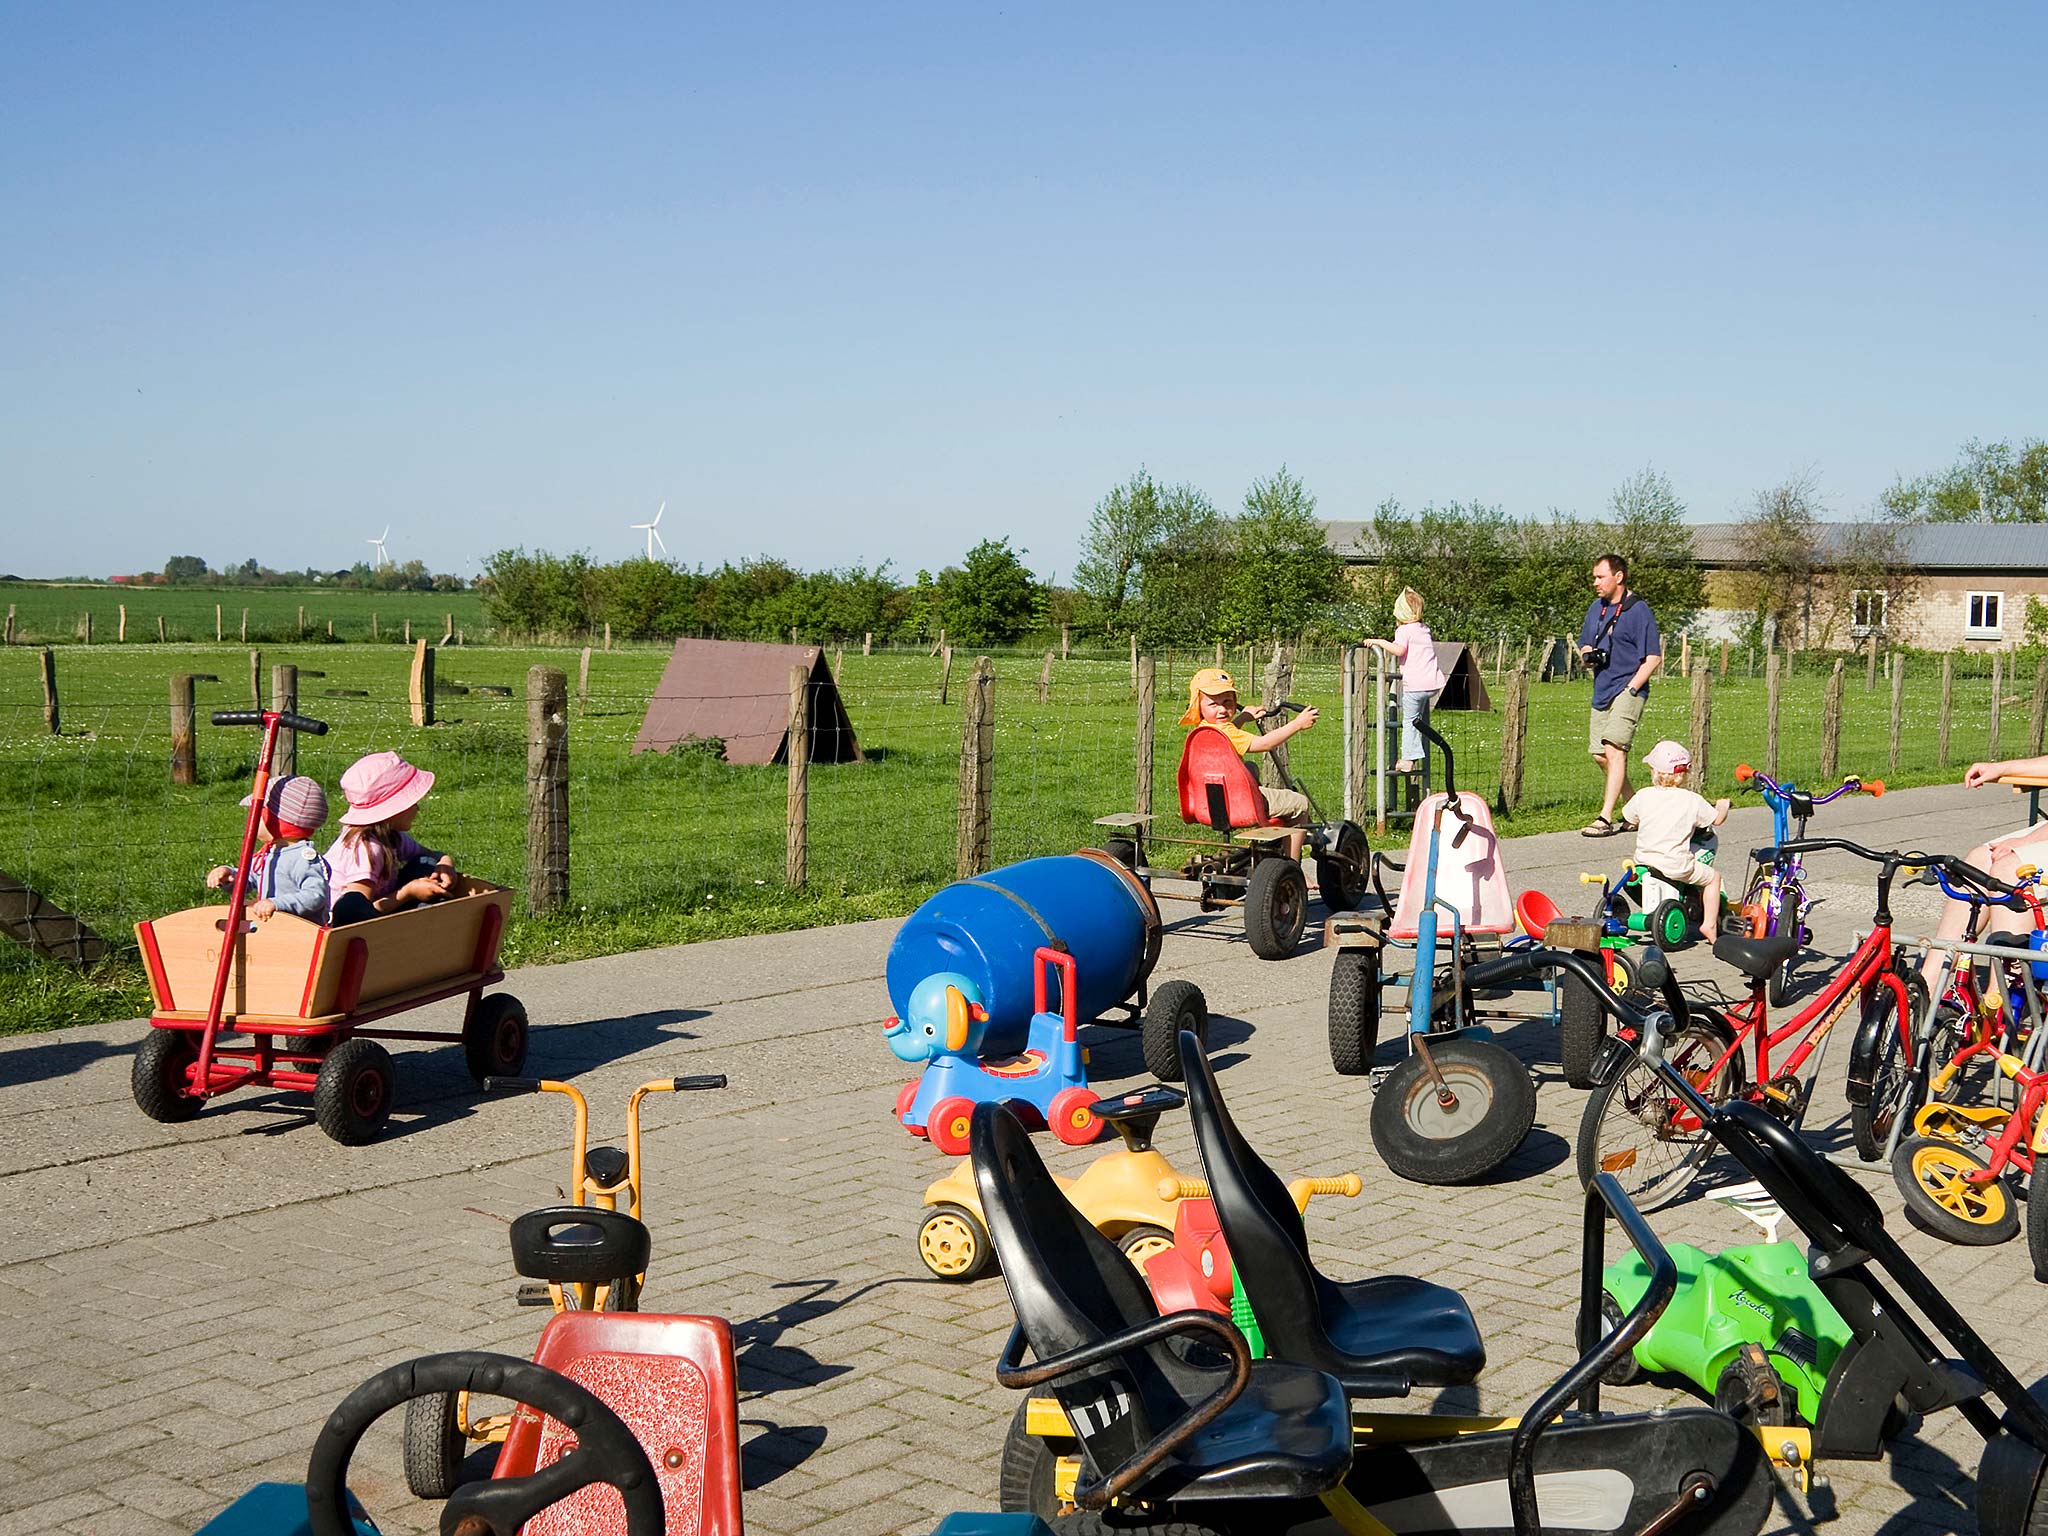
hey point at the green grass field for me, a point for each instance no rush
(671, 848)
(47, 613)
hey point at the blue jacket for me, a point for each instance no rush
(293, 877)
(1634, 637)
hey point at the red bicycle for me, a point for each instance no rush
(1651, 1142)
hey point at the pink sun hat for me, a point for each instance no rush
(380, 786)
(1665, 757)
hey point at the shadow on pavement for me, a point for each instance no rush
(59, 1058)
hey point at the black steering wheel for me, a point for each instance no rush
(605, 1452)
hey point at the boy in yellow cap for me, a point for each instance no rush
(1212, 700)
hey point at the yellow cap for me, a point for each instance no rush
(1213, 681)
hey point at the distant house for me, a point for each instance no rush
(1973, 580)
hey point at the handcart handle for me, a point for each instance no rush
(511, 1085)
(699, 1080)
(285, 722)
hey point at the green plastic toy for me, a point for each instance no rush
(1739, 1316)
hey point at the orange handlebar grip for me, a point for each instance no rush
(1744, 773)
(1875, 787)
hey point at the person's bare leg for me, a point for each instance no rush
(1617, 780)
(1710, 904)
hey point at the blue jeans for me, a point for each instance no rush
(1414, 712)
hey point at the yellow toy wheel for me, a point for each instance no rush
(953, 1243)
(1943, 1198)
(1141, 1242)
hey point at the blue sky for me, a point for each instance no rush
(861, 283)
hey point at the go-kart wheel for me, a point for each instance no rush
(352, 1096)
(1751, 1392)
(1072, 1116)
(1124, 850)
(1341, 875)
(159, 1078)
(1669, 924)
(1176, 1006)
(1427, 1142)
(1088, 1522)
(1354, 1010)
(1625, 1371)
(605, 1450)
(953, 1243)
(1275, 907)
(494, 1037)
(434, 1445)
(1144, 1240)
(1581, 1028)
(1933, 1176)
(947, 1125)
(1027, 1484)
(2010, 1485)
(905, 1097)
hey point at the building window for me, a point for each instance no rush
(1867, 609)
(1984, 616)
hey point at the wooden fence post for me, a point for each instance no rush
(1773, 690)
(1724, 660)
(796, 856)
(1045, 679)
(255, 679)
(1685, 655)
(245, 625)
(1141, 801)
(867, 643)
(421, 687)
(1355, 713)
(1870, 667)
(1948, 700)
(1891, 759)
(184, 745)
(547, 789)
(945, 671)
(408, 631)
(10, 624)
(1514, 737)
(50, 689)
(1134, 660)
(86, 628)
(1749, 662)
(121, 624)
(2039, 718)
(373, 625)
(284, 700)
(302, 618)
(1997, 701)
(447, 627)
(607, 634)
(583, 682)
(1500, 654)
(977, 762)
(1702, 720)
(219, 624)
(1063, 642)
(1831, 723)
(161, 636)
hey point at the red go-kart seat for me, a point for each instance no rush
(1208, 758)
(1535, 912)
(671, 1379)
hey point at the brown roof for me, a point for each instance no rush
(737, 691)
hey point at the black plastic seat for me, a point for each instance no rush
(569, 1244)
(1756, 958)
(1286, 1435)
(605, 1165)
(1380, 1336)
(2008, 940)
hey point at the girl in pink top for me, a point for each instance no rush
(1421, 678)
(376, 866)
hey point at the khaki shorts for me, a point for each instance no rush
(1616, 724)
(1693, 872)
(1287, 806)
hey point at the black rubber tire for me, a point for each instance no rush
(434, 1446)
(2037, 1218)
(352, 1099)
(1895, 1089)
(1124, 850)
(1418, 1144)
(1354, 1010)
(1141, 1242)
(1581, 1030)
(1697, 1045)
(943, 1232)
(1625, 1372)
(1343, 881)
(494, 1037)
(1275, 907)
(1125, 1523)
(2001, 1219)
(158, 1078)
(1781, 975)
(1024, 1486)
(1173, 1007)
(2009, 1501)
(1669, 926)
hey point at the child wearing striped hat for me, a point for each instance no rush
(287, 873)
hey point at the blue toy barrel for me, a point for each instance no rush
(988, 927)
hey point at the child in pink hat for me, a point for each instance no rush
(287, 873)
(376, 865)
(1665, 816)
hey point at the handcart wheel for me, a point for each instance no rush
(1176, 1006)
(605, 1450)
(352, 1096)
(1354, 1011)
(494, 1037)
(1275, 907)
(160, 1078)
(1425, 1141)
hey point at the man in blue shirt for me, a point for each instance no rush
(1620, 644)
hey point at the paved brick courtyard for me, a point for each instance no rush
(182, 1305)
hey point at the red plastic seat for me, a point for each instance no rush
(1535, 912)
(1208, 758)
(671, 1379)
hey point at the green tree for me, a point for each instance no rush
(1283, 574)
(1182, 584)
(989, 600)
(185, 568)
(1134, 522)
(1781, 535)
(1988, 483)
(1646, 525)
(640, 598)
(537, 593)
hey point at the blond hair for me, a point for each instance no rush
(1408, 606)
(1669, 778)
(382, 841)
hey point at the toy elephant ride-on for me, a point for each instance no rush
(1251, 867)
(306, 994)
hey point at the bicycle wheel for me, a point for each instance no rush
(1630, 1127)
(1896, 1089)
(1941, 1197)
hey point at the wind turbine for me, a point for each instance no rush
(652, 531)
(381, 558)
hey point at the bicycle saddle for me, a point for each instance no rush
(1756, 958)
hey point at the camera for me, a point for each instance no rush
(1596, 659)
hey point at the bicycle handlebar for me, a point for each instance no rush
(1744, 774)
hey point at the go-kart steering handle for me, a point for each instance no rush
(1530, 962)
(285, 721)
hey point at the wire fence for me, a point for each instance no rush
(681, 844)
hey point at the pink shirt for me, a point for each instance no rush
(350, 865)
(1417, 648)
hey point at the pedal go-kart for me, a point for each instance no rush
(307, 995)
(1167, 1424)
(587, 1256)
(1250, 868)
